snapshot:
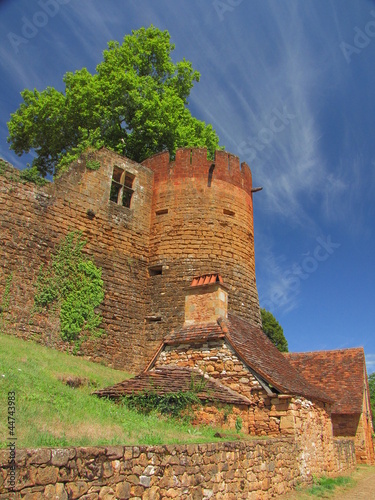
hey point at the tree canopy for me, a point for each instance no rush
(135, 103)
(273, 330)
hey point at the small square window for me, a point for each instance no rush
(155, 270)
(121, 187)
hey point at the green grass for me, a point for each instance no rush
(324, 486)
(50, 413)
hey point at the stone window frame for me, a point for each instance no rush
(122, 190)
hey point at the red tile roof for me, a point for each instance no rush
(174, 379)
(194, 333)
(206, 279)
(260, 354)
(255, 349)
(339, 373)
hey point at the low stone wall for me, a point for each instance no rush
(344, 452)
(258, 469)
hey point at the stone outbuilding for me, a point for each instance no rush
(242, 368)
(342, 375)
(274, 394)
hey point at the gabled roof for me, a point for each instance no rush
(174, 379)
(255, 349)
(340, 373)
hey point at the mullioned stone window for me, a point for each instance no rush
(121, 187)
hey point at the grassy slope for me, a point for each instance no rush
(50, 413)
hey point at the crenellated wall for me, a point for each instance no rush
(201, 222)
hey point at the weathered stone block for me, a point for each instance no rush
(286, 422)
(76, 489)
(123, 490)
(107, 493)
(61, 457)
(41, 456)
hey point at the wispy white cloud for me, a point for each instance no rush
(281, 74)
(370, 363)
(276, 295)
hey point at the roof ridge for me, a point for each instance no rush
(272, 374)
(328, 350)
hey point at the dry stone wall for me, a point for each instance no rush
(309, 422)
(215, 358)
(258, 469)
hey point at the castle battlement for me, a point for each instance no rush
(193, 162)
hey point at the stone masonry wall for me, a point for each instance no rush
(33, 220)
(313, 431)
(363, 439)
(257, 470)
(187, 217)
(359, 426)
(201, 223)
(268, 416)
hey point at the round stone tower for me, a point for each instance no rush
(201, 223)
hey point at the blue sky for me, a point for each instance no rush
(289, 87)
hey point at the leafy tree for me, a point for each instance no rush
(135, 103)
(371, 383)
(273, 330)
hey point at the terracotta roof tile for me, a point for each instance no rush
(194, 333)
(206, 279)
(174, 379)
(255, 350)
(260, 354)
(340, 373)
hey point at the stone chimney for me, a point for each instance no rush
(206, 300)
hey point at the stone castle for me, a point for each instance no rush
(175, 241)
(152, 227)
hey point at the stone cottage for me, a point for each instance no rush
(243, 369)
(342, 375)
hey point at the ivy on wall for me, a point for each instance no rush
(71, 284)
(4, 305)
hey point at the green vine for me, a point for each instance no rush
(5, 300)
(2, 166)
(72, 284)
(32, 174)
(93, 164)
(238, 424)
